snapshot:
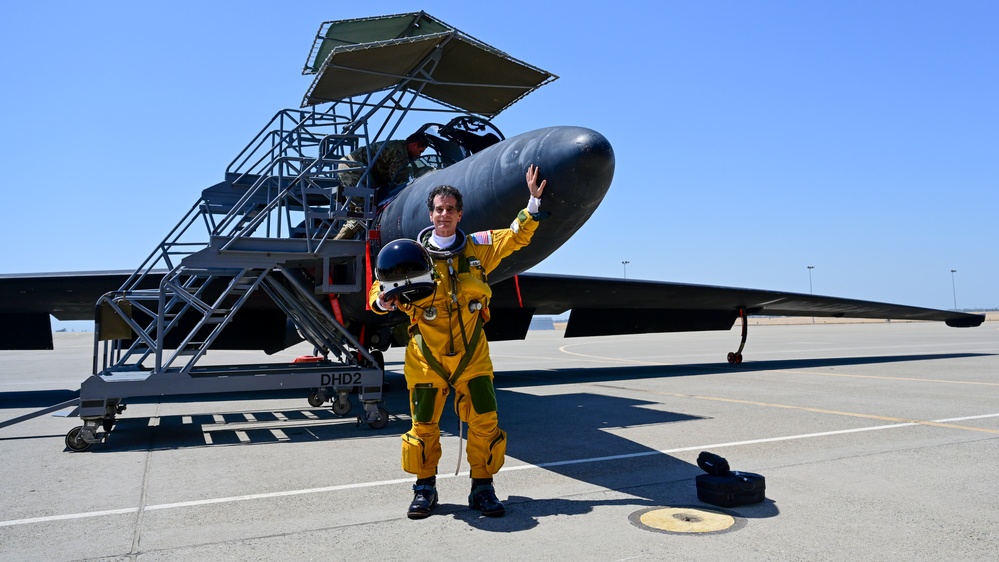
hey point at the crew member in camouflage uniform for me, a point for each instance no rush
(395, 155)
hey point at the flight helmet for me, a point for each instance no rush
(404, 269)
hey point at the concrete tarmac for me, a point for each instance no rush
(878, 441)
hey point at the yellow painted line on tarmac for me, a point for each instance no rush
(906, 379)
(878, 417)
(564, 349)
(892, 419)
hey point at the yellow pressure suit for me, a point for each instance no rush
(447, 349)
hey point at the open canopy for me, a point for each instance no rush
(417, 53)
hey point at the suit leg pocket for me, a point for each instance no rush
(413, 453)
(424, 401)
(497, 453)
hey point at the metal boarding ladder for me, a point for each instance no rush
(193, 306)
(275, 172)
(156, 335)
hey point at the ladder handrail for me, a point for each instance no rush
(278, 118)
(294, 161)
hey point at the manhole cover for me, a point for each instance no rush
(686, 520)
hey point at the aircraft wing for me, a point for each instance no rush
(602, 306)
(67, 296)
(27, 300)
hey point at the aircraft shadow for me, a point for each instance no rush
(513, 379)
(35, 398)
(505, 379)
(580, 425)
(573, 435)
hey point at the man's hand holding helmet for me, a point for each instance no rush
(405, 273)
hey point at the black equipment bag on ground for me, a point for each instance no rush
(713, 464)
(724, 487)
(732, 489)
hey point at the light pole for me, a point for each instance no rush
(810, 268)
(953, 287)
(625, 265)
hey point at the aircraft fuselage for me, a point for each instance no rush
(577, 163)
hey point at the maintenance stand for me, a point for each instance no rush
(260, 245)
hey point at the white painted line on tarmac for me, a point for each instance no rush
(341, 487)
(51, 518)
(704, 447)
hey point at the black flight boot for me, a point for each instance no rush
(483, 498)
(424, 498)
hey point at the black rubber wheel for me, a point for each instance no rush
(316, 399)
(379, 358)
(382, 421)
(74, 442)
(341, 409)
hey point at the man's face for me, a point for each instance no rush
(445, 217)
(415, 149)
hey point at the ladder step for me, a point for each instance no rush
(325, 289)
(318, 190)
(191, 348)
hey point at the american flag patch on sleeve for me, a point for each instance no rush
(484, 238)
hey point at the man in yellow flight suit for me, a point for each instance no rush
(447, 349)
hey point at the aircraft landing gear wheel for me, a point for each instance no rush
(316, 398)
(735, 357)
(341, 407)
(74, 442)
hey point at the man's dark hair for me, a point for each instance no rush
(419, 138)
(444, 191)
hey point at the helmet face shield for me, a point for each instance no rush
(404, 270)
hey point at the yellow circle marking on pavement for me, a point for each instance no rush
(686, 520)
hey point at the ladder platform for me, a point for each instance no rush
(248, 370)
(267, 252)
(267, 369)
(296, 247)
(114, 386)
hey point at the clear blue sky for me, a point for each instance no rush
(752, 138)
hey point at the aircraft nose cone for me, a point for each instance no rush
(578, 164)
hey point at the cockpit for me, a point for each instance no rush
(460, 138)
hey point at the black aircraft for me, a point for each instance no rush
(267, 274)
